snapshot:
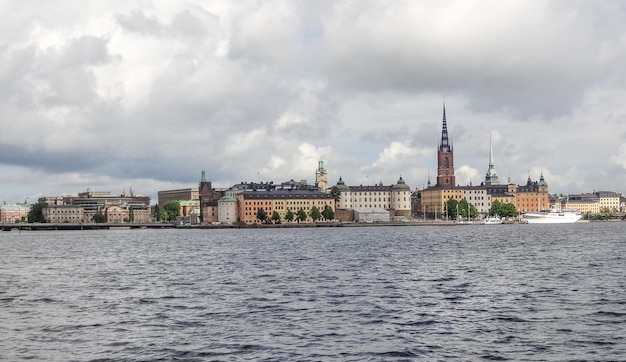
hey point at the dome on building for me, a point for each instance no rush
(401, 185)
(342, 186)
(542, 181)
(227, 199)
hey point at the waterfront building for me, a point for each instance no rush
(12, 213)
(208, 198)
(533, 196)
(227, 209)
(281, 201)
(585, 203)
(396, 198)
(479, 197)
(430, 202)
(57, 214)
(117, 208)
(609, 201)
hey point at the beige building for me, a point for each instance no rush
(396, 198)
(608, 200)
(12, 213)
(64, 214)
(116, 208)
(584, 206)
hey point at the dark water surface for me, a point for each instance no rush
(504, 292)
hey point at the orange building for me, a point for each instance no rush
(280, 201)
(533, 196)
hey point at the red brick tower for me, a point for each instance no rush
(445, 157)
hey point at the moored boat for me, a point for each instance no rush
(491, 220)
(553, 216)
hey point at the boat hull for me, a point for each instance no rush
(552, 219)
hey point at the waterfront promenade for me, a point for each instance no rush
(105, 226)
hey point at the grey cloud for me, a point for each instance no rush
(538, 65)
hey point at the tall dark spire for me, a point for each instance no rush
(444, 146)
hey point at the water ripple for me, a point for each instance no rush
(516, 292)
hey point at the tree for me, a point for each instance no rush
(315, 213)
(36, 212)
(328, 213)
(301, 216)
(131, 215)
(157, 213)
(99, 217)
(503, 209)
(276, 217)
(335, 193)
(172, 209)
(261, 215)
(289, 216)
(453, 208)
(464, 206)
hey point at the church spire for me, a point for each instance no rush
(491, 178)
(445, 156)
(444, 146)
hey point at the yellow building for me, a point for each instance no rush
(434, 198)
(609, 201)
(584, 206)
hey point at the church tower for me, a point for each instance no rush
(321, 177)
(445, 157)
(491, 178)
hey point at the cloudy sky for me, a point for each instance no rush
(146, 94)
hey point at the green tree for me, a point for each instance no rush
(335, 193)
(301, 216)
(452, 207)
(328, 213)
(464, 207)
(172, 209)
(131, 215)
(315, 213)
(157, 213)
(99, 218)
(503, 209)
(261, 215)
(289, 216)
(276, 217)
(35, 214)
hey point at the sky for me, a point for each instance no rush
(109, 95)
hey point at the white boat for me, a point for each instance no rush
(491, 220)
(553, 216)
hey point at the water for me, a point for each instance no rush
(505, 292)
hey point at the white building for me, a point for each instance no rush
(227, 209)
(478, 197)
(394, 198)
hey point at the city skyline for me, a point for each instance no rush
(128, 93)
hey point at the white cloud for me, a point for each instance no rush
(151, 93)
